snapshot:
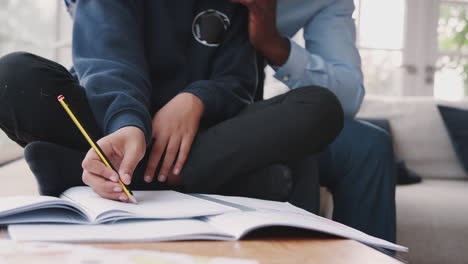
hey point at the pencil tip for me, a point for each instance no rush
(133, 200)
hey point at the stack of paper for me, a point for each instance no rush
(160, 216)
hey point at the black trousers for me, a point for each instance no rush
(284, 129)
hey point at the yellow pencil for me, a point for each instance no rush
(95, 146)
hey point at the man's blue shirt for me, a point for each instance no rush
(330, 58)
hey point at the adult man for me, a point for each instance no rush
(358, 168)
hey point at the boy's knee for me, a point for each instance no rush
(14, 74)
(17, 68)
(27, 66)
(317, 98)
(313, 102)
(14, 62)
(23, 73)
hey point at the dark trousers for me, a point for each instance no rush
(359, 170)
(284, 129)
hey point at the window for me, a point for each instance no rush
(451, 68)
(414, 47)
(380, 39)
(408, 47)
(40, 27)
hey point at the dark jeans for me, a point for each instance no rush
(284, 129)
(359, 170)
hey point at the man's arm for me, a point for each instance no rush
(109, 58)
(330, 59)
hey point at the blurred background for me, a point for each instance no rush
(412, 47)
(419, 47)
(408, 47)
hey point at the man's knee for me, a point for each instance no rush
(366, 142)
(379, 142)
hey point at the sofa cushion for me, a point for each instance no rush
(419, 134)
(456, 122)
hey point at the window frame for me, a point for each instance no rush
(420, 48)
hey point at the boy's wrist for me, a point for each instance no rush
(130, 119)
(195, 103)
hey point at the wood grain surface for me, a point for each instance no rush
(265, 249)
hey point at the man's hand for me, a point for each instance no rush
(264, 34)
(174, 129)
(125, 148)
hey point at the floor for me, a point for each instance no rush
(17, 179)
(8, 149)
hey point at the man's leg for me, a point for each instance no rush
(29, 112)
(359, 169)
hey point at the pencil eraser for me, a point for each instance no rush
(60, 97)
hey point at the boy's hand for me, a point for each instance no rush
(124, 148)
(264, 34)
(174, 128)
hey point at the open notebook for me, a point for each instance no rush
(246, 215)
(80, 205)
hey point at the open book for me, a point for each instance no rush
(80, 205)
(246, 215)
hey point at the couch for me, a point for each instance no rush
(432, 216)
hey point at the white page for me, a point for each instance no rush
(269, 213)
(46, 215)
(128, 231)
(151, 204)
(257, 204)
(18, 204)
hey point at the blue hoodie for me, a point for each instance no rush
(133, 56)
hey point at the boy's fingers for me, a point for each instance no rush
(103, 186)
(129, 162)
(93, 163)
(98, 168)
(183, 154)
(112, 196)
(155, 157)
(169, 158)
(92, 180)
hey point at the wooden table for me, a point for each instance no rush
(282, 249)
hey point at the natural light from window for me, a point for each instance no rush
(385, 33)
